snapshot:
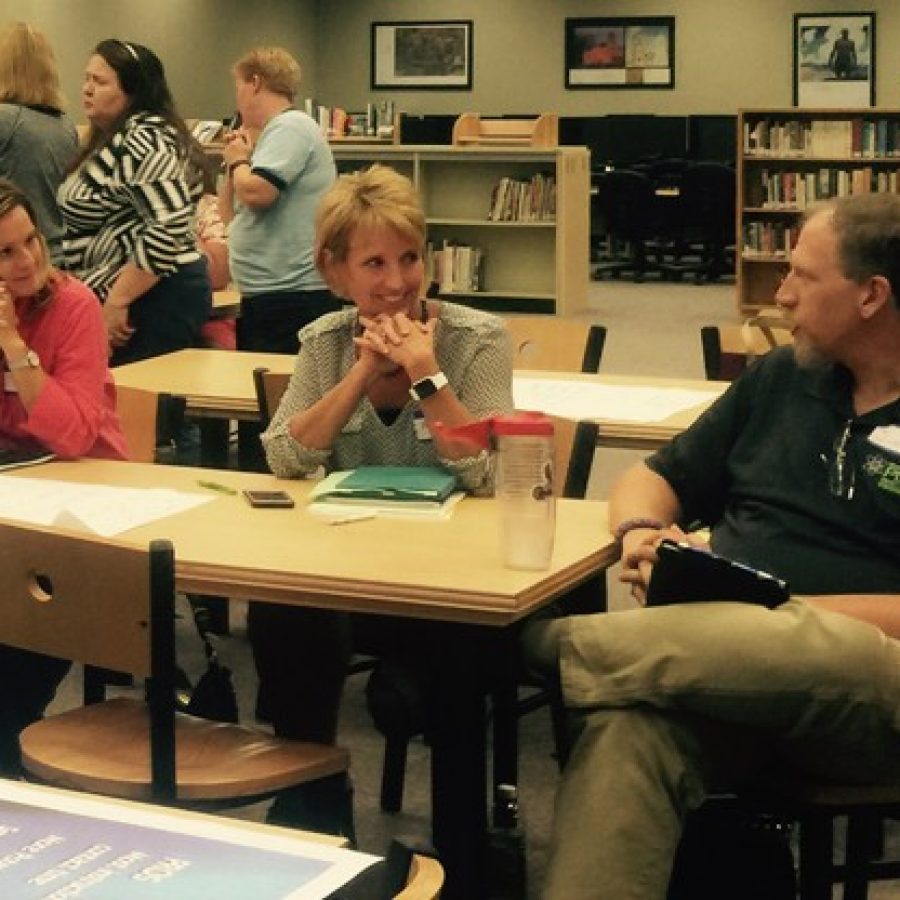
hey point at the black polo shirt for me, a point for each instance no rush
(761, 467)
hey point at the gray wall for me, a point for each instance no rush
(197, 40)
(729, 53)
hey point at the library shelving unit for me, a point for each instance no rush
(539, 265)
(791, 158)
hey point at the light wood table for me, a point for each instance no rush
(448, 572)
(218, 384)
(226, 302)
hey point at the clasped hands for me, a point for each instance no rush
(395, 341)
(639, 555)
(236, 147)
(9, 321)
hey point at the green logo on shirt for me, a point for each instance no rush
(890, 478)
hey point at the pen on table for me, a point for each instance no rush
(346, 520)
(215, 486)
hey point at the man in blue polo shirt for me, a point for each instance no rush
(796, 470)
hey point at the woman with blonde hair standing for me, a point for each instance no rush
(37, 139)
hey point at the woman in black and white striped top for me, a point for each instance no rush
(129, 204)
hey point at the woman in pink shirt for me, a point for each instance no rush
(57, 390)
(58, 396)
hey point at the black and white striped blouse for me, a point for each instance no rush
(130, 202)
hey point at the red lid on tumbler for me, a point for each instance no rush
(524, 423)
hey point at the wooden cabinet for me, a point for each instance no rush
(789, 159)
(531, 265)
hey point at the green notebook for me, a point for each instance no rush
(393, 484)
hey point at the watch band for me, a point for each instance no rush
(237, 164)
(29, 361)
(427, 387)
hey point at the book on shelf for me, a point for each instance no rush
(853, 136)
(769, 238)
(780, 189)
(385, 490)
(517, 200)
(454, 267)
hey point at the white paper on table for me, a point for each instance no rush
(97, 508)
(572, 399)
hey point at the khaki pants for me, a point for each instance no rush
(679, 701)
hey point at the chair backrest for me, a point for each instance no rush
(626, 201)
(575, 444)
(138, 412)
(426, 878)
(555, 345)
(708, 198)
(729, 349)
(97, 602)
(270, 387)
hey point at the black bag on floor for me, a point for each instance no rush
(728, 851)
(213, 697)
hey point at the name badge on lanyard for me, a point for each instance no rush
(420, 429)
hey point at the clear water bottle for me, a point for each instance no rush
(525, 489)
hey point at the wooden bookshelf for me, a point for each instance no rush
(790, 159)
(536, 265)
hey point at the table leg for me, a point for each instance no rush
(458, 763)
(214, 443)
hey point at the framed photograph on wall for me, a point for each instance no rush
(422, 55)
(834, 60)
(633, 52)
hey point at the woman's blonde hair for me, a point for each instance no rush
(373, 198)
(12, 198)
(275, 67)
(28, 73)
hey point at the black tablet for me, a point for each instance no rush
(686, 574)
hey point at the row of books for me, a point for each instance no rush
(378, 119)
(769, 238)
(797, 190)
(855, 137)
(515, 200)
(455, 268)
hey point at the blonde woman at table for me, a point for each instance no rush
(57, 396)
(129, 206)
(368, 384)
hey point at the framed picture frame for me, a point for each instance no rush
(636, 52)
(834, 60)
(422, 55)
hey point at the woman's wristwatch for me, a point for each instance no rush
(427, 387)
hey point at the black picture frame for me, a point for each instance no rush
(834, 69)
(433, 56)
(620, 53)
